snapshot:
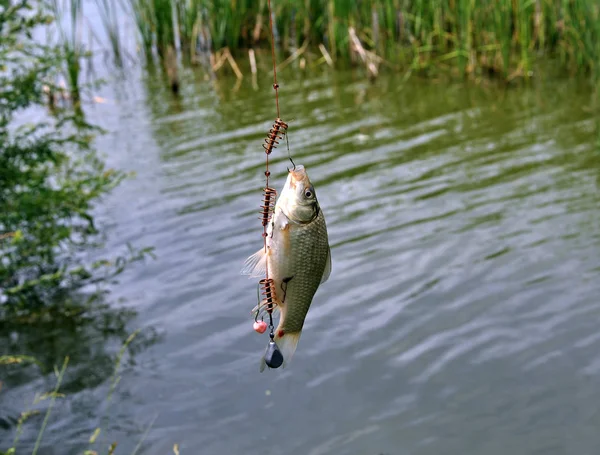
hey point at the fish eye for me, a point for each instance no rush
(308, 194)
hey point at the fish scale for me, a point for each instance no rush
(305, 262)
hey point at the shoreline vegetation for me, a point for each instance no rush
(465, 38)
(505, 41)
(54, 305)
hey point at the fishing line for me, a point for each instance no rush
(275, 85)
(273, 357)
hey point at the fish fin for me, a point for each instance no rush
(255, 265)
(287, 345)
(283, 223)
(327, 270)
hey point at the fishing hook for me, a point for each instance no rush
(289, 153)
(285, 282)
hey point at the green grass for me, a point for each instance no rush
(500, 37)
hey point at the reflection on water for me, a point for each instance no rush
(90, 338)
(460, 316)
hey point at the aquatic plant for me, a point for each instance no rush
(112, 369)
(67, 17)
(109, 11)
(143, 14)
(472, 38)
(50, 179)
(155, 24)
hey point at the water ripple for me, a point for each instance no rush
(461, 311)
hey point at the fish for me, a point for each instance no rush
(298, 257)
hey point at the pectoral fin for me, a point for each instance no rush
(256, 265)
(327, 270)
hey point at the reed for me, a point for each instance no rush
(69, 17)
(109, 11)
(470, 37)
(155, 24)
(94, 439)
(143, 16)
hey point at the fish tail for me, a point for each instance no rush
(287, 345)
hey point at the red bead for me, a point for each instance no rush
(260, 326)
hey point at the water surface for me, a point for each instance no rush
(461, 313)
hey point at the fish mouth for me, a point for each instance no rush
(298, 175)
(296, 210)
